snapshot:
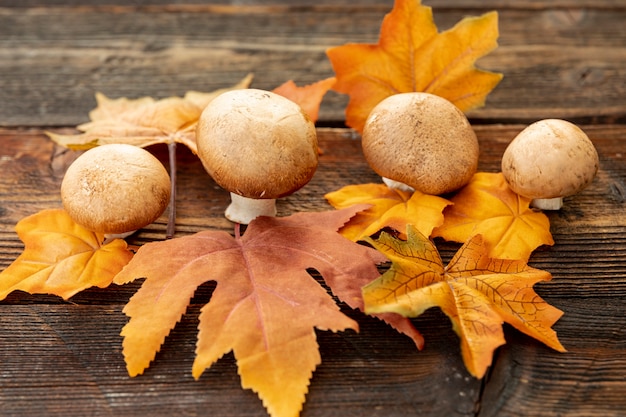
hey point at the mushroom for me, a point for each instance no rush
(115, 189)
(548, 160)
(420, 141)
(259, 146)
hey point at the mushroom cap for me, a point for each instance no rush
(548, 159)
(257, 144)
(115, 188)
(421, 140)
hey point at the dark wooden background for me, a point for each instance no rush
(562, 58)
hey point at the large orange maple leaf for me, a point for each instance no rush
(478, 293)
(265, 306)
(412, 55)
(61, 257)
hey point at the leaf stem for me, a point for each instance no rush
(171, 220)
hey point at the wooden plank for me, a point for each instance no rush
(36, 168)
(62, 358)
(180, 4)
(68, 360)
(588, 380)
(557, 62)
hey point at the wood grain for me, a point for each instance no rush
(54, 59)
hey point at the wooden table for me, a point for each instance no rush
(562, 58)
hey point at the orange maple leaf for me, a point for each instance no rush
(144, 121)
(309, 97)
(412, 56)
(265, 306)
(475, 291)
(61, 258)
(487, 206)
(389, 208)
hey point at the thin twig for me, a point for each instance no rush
(171, 221)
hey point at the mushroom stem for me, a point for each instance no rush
(171, 220)
(547, 203)
(397, 185)
(110, 237)
(243, 209)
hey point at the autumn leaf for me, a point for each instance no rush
(389, 208)
(265, 306)
(411, 55)
(308, 97)
(487, 206)
(478, 293)
(142, 122)
(61, 258)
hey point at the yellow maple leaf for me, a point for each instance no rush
(478, 293)
(412, 55)
(389, 208)
(61, 257)
(487, 206)
(143, 121)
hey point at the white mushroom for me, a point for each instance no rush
(259, 146)
(548, 160)
(420, 141)
(115, 189)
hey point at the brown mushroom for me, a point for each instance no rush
(115, 189)
(420, 141)
(259, 146)
(548, 160)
